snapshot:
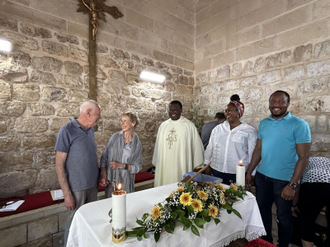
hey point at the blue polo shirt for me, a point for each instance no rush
(279, 139)
(81, 164)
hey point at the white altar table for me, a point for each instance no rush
(91, 227)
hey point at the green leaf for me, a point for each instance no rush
(145, 216)
(207, 218)
(145, 235)
(174, 215)
(185, 221)
(139, 238)
(172, 224)
(190, 209)
(168, 229)
(199, 222)
(130, 234)
(140, 222)
(204, 212)
(136, 229)
(189, 186)
(141, 232)
(195, 230)
(217, 221)
(181, 213)
(226, 206)
(157, 236)
(237, 213)
(185, 227)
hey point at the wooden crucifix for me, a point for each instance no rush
(96, 9)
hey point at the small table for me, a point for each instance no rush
(91, 227)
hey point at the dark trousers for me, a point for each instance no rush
(227, 177)
(268, 190)
(312, 198)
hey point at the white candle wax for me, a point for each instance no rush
(240, 174)
(119, 210)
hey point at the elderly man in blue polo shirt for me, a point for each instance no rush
(76, 160)
(283, 147)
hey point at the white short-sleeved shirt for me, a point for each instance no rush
(227, 147)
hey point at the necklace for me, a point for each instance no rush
(128, 140)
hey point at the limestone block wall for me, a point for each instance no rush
(40, 227)
(45, 78)
(254, 48)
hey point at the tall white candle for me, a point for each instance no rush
(118, 215)
(240, 174)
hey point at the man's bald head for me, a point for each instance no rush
(89, 104)
(90, 113)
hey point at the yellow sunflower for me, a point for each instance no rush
(185, 199)
(197, 205)
(213, 211)
(219, 186)
(234, 186)
(180, 189)
(202, 195)
(222, 198)
(156, 212)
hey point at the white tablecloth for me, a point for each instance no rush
(91, 228)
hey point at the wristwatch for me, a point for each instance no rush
(293, 185)
(126, 167)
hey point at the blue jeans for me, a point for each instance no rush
(268, 190)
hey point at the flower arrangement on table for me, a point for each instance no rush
(192, 204)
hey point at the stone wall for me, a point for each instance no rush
(254, 48)
(227, 46)
(45, 78)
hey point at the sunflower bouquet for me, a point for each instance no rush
(192, 204)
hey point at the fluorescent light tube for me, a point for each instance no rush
(5, 45)
(150, 76)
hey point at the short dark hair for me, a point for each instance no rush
(176, 102)
(280, 91)
(220, 115)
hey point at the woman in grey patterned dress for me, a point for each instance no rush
(122, 158)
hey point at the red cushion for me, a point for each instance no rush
(44, 199)
(143, 176)
(259, 243)
(101, 188)
(33, 201)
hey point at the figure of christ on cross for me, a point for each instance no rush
(94, 20)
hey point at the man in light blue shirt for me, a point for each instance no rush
(283, 146)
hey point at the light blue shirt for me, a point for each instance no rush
(126, 153)
(279, 139)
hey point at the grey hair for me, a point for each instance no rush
(88, 102)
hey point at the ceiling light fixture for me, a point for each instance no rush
(5, 45)
(150, 76)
